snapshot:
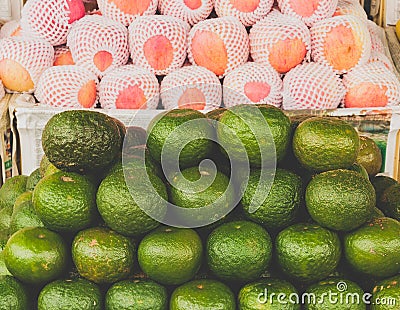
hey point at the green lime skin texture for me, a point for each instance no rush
(307, 252)
(203, 294)
(137, 294)
(373, 249)
(103, 256)
(340, 199)
(239, 251)
(170, 256)
(36, 255)
(263, 295)
(79, 294)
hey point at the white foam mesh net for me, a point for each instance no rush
(125, 77)
(234, 35)
(147, 27)
(273, 28)
(2, 91)
(350, 7)
(93, 34)
(381, 58)
(179, 9)
(226, 8)
(35, 55)
(325, 9)
(9, 29)
(376, 42)
(108, 8)
(175, 84)
(321, 30)
(59, 86)
(377, 74)
(46, 19)
(312, 86)
(60, 51)
(235, 84)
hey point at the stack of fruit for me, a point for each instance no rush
(109, 220)
(318, 54)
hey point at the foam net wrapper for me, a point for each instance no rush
(376, 42)
(234, 35)
(321, 29)
(235, 83)
(2, 91)
(226, 8)
(9, 29)
(60, 50)
(381, 58)
(109, 9)
(93, 34)
(46, 19)
(179, 81)
(312, 86)
(59, 86)
(350, 7)
(325, 9)
(179, 9)
(35, 55)
(147, 27)
(127, 76)
(378, 74)
(274, 28)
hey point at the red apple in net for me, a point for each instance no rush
(124, 11)
(191, 11)
(67, 86)
(247, 11)
(98, 44)
(191, 87)
(219, 44)
(129, 87)
(280, 41)
(10, 29)
(341, 42)
(22, 61)
(50, 19)
(158, 43)
(350, 7)
(371, 85)
(309, 11)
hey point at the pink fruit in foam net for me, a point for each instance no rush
(309, 11)
(371, 85)
(376, 32)
(129, 87)
(50, 19)
(68, 87)
(126, 11)
(62, 56)
(158, 43)
(350, 7)
(280, 41)
(341, 42)
(312, 86)
(22, 61)
(191, 11)
(191, 87)
(253, 83)
(77, 90)
(247, 11)
(219, 44)
(98, 44)
(381, 58)
(10, 29)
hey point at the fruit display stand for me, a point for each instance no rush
(28, 120)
